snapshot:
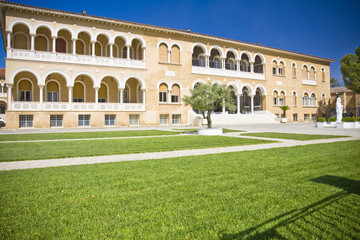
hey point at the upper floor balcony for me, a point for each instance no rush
(230, 64)
(65, 45)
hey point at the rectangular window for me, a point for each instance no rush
(164, 119)
(176, 118)
(275, 101)
(306, 117)
(295, 117)
(313, 117)
(174, 98)
(294, 100)
(312, 101)
(134, 120)
(56, 120)
(281, 101)
(78, 100)
(109, 120)
(162, 97)
(52, 97)
(274, 70)
(26, 121)
(101, 100)
(294, 72)
(25, 95)
(84, 120)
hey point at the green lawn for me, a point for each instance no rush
(225, 130)
(303, 192)
(80, 135)
(292, 136)
(16, 151)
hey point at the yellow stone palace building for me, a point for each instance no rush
(66, 69)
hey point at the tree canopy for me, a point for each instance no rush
(208, 97)
(334, 82)
(350, 69)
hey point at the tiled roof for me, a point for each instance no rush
(80, 15)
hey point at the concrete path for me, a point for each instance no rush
(161, 155)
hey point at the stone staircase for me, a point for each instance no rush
(258, 117)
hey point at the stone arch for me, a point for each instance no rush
(262, 57)
(142, 82)
(246, 52)
(19, 70)
(140, 39)
(217, 48)
(202, 46)
(117, 79)
(163, 42)
(67, 78)
(235, 86)
(94, 80)
(262, 89)
(201, 81)
(236, 54)
(39, 25)
(71, 31)
(28, 25)
(176, 44)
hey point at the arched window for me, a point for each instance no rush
(305, 99)
(198, 58)
(275, 98)
(52, 91)
(80, 47)
(2, 108)
(25, 91)
(126, 96)
(323, 74)
(175, 54)
(312, 100)
(305, 72)
(163, 53)
(124, 52)
(103, 93)
(293, 68)
(175, 93)
(258, 65)
(214, 59)
(323, 99)
(281, 69)
(41, 43)
(294, 98)
(60, 45)
(244, 63)
(230, 61)
(282, 99)
(163, 90)
(274, 68)
(78, 92)
(312, 73)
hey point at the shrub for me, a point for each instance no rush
(321, 119)
(332, 119)
(348, 119)
(358, 119)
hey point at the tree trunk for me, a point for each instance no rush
(208, 117)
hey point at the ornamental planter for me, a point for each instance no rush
(348, 124)
(320, 124)
(357, 124)
(283, 120)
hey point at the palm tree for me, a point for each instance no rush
(334, 82)
(284, 108)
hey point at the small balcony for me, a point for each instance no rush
(64, 106)
(74, 58)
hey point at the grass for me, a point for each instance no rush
(225, 130)
(16, 151)
(303, 192)
(80, 135)
(292, 136)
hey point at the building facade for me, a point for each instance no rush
(67, 69)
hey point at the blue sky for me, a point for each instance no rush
(329, 29)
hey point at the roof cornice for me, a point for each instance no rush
(153, 28)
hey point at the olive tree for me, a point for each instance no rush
(208, 97)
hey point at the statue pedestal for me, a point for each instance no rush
(339, 125)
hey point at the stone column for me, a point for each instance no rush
(111, 50)
(41, 94)
(96, 95)
(143, 48)
(128, 52)
(93, 48)
(252, 67)
(73, 46)
(237, 65)
(8, 35)
(121, 96)
(168, 56)
(252, 102)
(222, 63)
(53, 44)
(143, 92)
(9, 96)
(207, 59)
(70, 94)
(238, 104)
(32, 48)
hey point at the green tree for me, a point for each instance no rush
(284, 108)
(207, 97)
(350, 69)
(334, 82)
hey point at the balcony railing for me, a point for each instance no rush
(227, 73)
(3, 94)
(74, 58)
(65, 106)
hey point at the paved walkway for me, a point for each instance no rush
(161, 155)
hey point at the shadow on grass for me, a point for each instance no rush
(315, 219)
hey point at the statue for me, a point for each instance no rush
(339, 109)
